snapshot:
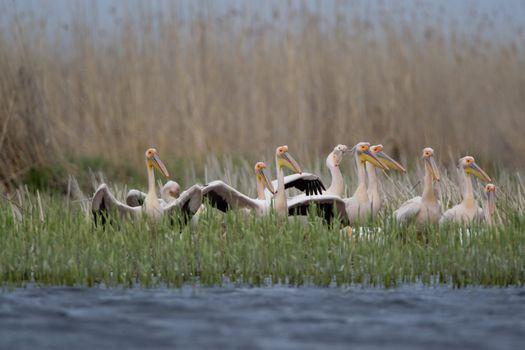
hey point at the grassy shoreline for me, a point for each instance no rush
(66, 249)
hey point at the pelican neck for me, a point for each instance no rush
(337, 185)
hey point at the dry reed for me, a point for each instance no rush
(240, 84)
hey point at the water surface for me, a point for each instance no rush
(410, 317)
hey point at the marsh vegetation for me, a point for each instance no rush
(216, 91)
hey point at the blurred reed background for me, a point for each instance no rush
(197, 81)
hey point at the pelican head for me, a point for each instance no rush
(153, 161)
(386, 159)
(364, 154)
(430, 163)
(336, 157)
(284, 159)
(490, 190)
(170, 191)
(470, 167)
(262, 176)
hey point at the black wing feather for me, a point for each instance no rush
(217, 201)
(310, 185)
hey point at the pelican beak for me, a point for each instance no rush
(287, 160)
(491, 199)
(159, 165)
(432, 167)
(475, 170)
(264, 177)
(390, 162)
(368, 156)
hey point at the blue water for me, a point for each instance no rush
(262, 318)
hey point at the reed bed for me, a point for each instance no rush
(196, 81)
(49, 239)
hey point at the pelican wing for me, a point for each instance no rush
(189, 201)
(408, 210)
(328, 207)
(135, 198)
(454, 214)
(224, 197)
(103, 202)
(481, 216)
(305, 182)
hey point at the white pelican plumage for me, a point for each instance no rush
(358, 206)
(373, 186)
(311, 184)
(104, 201)
(423, 209)
(337, 187)
(488, 212)
(466, 211)
(168, 193)
(224, 197)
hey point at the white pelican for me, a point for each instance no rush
(373, 188)
(168, 193)
(466, 211)
(224, 197)
(358, 206)
(104, 201)
(311, 184)
(486, 215)
(423, 209)
(337, 187)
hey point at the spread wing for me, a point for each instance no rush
(104, 202)
(135, 198)
(328, 207)
(188, 201)
(408, 210)
(451, 215)
(224, 197)
(308, 183)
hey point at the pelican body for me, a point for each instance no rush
(311, 184)
(224, 197)
(466, 211)
(103, 200)
(424, 209)
(488, 212)
(373, 185)
(358, 206)
(337, 187)
(168, 193)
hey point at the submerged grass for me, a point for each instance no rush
(54, 244)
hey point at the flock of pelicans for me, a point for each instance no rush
(329, 202)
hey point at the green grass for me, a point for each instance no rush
(66, 249)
